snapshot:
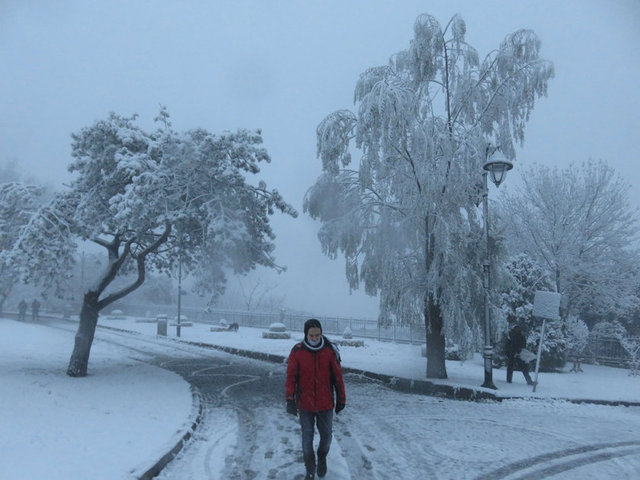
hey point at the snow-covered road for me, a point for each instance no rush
(384, 434)
(245, 433)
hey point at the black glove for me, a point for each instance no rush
(339, 407)
(291, 407)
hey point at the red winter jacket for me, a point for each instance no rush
(312, 376)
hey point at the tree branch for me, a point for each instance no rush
(140, 260)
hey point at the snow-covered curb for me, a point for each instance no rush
(146, 472)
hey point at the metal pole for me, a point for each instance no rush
(82, 276)
(179, 295)
(539, 356)
(487, 352)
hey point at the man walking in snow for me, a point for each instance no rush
(35, 308)
(313, 373)
(22, 310)
(515, 344)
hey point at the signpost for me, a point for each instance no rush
(546, 305)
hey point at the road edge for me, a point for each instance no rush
(158, 466)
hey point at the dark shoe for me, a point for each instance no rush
(309, 476)
(322, 466)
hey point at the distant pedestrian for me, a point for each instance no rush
(516, 342)
(313, 374)
(22, 310)
(35, 308)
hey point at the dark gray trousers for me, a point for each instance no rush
(324, 422)
(512, 363)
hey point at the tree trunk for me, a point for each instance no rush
(92, 304)
(436, 367)
(433, 321)
(84, 337)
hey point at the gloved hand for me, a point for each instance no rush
(291, 407)
(339, 407)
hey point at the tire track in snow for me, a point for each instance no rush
(549, 464)
(404, 454)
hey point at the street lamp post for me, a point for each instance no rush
(179, 296)
(497, 166)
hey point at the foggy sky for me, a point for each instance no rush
(282, 66)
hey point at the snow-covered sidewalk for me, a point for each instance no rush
(113, 424)
(405, 361)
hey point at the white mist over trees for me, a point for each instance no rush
(577, 222)
(151, 200)
(406, 216)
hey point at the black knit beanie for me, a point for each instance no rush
(311, 323)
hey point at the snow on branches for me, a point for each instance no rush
(578, 223)
(423, 123)
(134, 188)
(18, 203)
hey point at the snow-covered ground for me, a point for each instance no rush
(402, 360)
(125, 415)
(99, 427)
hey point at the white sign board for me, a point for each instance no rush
(546, 305)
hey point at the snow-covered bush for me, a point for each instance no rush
(577, 336)
(276, 330)
(347, 334)
(525, 277)
(554, 345)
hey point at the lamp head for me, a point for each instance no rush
(498, 166)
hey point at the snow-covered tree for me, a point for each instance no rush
(577, 335)
(554, 346)
(525, 276)
(152, 199)
(18, 202)
(406, 217)
(578, 223)
(631, 319)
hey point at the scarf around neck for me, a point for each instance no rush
(311, 347)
